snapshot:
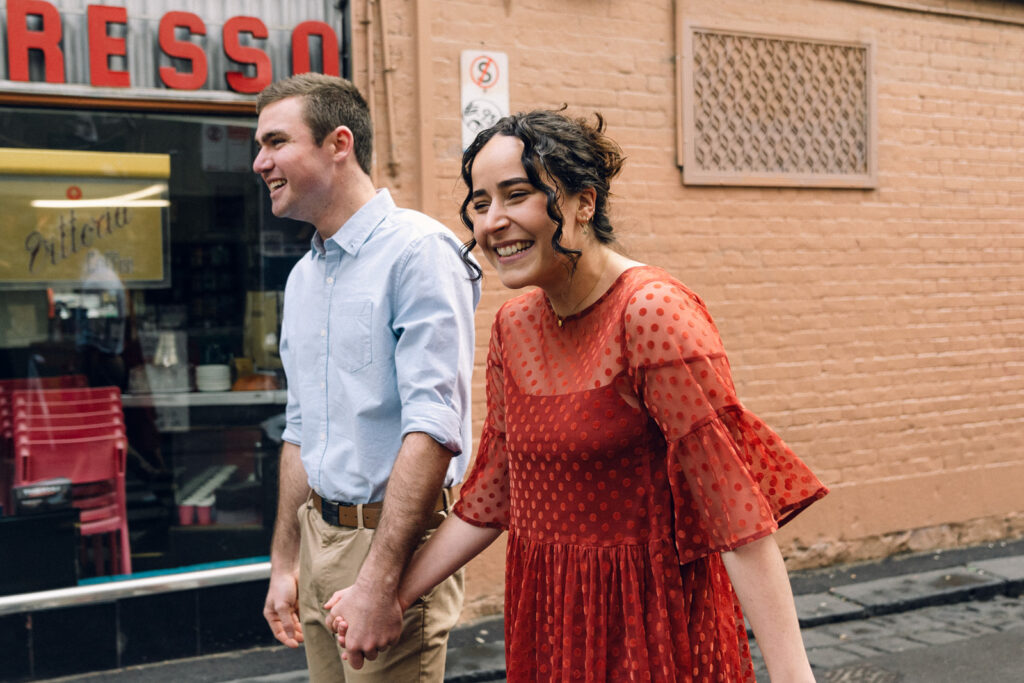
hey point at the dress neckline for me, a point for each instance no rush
(561, 322)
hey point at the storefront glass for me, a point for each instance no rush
(181, 317)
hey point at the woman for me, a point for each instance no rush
(639, 495)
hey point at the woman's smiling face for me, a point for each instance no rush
(511, 222)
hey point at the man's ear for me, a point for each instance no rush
(342, 142)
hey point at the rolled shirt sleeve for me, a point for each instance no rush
(433, 322)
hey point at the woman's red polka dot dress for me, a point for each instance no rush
(617, 456)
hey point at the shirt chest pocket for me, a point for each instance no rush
(351, 347)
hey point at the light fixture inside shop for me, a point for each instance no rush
(132, 199)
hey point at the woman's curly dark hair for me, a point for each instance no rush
(571, 151)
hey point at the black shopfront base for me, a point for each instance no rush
(40, 551)
(71, 640)
(138, 629)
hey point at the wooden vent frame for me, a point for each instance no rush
(767, 110)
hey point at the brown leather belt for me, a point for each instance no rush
(347, 514)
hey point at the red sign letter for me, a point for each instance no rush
(237, 80)
(20, 40)
(102, 46)
(328, 47)
(182, 49)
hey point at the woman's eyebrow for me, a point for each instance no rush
(502, 185)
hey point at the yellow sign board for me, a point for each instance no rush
(70, 218)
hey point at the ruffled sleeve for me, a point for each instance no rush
(733, 479)
(484, 499)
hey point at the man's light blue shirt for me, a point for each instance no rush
(377, 341)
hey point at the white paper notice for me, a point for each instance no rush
(484, 79)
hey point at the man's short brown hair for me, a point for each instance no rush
(328, 102)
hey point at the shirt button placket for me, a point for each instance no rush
(330, 264)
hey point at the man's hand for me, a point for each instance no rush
(366, 621)
(281, 609)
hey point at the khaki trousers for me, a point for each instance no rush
(329, 560)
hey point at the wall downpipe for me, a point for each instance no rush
(389, 98)
(425, 108)
(371, 76)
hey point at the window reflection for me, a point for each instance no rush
(193, 355)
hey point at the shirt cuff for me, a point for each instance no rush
(292, 435)
(439, 422)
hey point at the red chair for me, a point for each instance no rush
(60, 414)
(36, 384)
(5, 417)
(61, 432)
(58, 382)
(42, 407)
(42, 411)
(95, 465)
(6, 450)
(58, 408)
(78, 434)
(99, 395)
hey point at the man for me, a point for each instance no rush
(377, 346)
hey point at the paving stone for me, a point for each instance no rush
(483, 630)
(1011, 568)
(893, 644)
(860, 673)
(1009, 624)
(1001, 613)
(861, 649)
(823, 608)
(936, 637)
(479, 662)
(968, 629)
(1001, 603)
(910, 622)
(916, 590)
(831, 657)
(856, 630)
(818, 638)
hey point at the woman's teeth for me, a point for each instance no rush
(509, 249)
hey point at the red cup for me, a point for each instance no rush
(186, 514)
(204, 513)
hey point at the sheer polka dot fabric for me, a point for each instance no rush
(618, 457)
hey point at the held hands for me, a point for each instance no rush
(366, 622)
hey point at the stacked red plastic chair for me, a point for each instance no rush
(78, 434)
(7, 387)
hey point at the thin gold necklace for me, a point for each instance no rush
(600, 276)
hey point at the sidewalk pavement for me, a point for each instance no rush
(850, 616)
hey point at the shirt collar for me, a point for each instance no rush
(357, 229)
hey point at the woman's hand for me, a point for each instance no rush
(365, 625)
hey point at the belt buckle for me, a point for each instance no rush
(329, 511)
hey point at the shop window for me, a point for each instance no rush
(775, 111)
(190, 341)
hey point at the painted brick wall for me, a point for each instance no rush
(881, 331)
